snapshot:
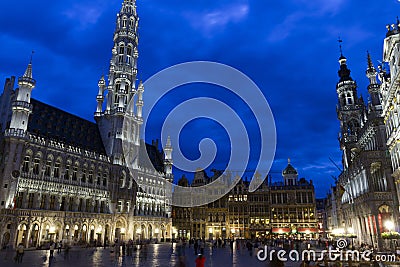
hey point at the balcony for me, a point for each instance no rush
(16, 105)
(15, 133)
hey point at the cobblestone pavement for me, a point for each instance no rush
(158, 255)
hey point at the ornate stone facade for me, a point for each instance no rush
(364, 198)
(64, 178)
(283, 208)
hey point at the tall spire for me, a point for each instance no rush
(344, 72)
(120, 89)
(373, 87)
(123, 67)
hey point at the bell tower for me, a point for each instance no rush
(350, 111)
(121, 89)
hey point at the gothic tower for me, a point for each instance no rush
(121, 89)
(350, 112)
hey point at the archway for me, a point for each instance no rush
(162, 232)
(143, 231)
(106, 233)
(6, 239)
(119, 231)
(84, 233)
(34, 238)
(21, 234)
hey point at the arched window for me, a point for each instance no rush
(90, 178)
(25, 165)
(57, 167)
(117, 86)
(49, 163)
(75, 172)
(83, 178)
(67, 173)
(349, 99)
(122, 180)
(36, 165)
(105, 179)
(132, 22)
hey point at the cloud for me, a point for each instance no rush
(85, 14)
(217, 19)
(306, 9)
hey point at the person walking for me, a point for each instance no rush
(202, 244)
(196, 246)
(20, 253)
(59, 247)
(51, 248)
(200, 261)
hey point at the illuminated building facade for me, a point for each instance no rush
(365, 194)
(64, 178)
(285, 208)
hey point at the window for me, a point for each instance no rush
(98, 180)
(91, 176)
(47, 171)
(67, 172)
(104, 179)
(52, 202)
(75, 173)
(25, 166)
(80, 204)
(36, 163)
(96, 206)
(63, 200)
(19, 199)
(5, 185)
(88, 205)
(83, 178)
(102, 207)
(43, 202)
(121, 49)
(30, 200)
(57, 170)
(71, 204)
(119, 206)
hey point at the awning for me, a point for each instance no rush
(280, 230)
(307, 230)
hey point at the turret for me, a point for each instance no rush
(168, 160)
(373, 87)
(290, 174)
(100, 96)
(21, 107)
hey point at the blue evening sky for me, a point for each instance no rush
(288, 48)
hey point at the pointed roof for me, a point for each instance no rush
(28, 71)
(27, 78)
(289, 169)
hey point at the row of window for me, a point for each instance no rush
(67, 203)
(70, 172)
